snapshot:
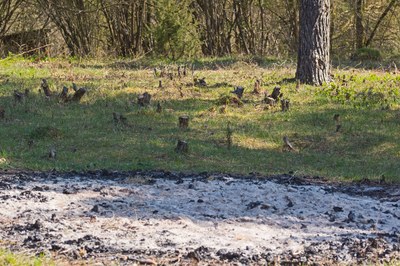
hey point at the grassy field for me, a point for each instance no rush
(86, 137)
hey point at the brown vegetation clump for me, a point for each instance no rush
(229, 100)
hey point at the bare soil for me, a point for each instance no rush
(172, 218)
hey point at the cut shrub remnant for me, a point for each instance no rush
(144, 99)
(285, 105)
(257, 87)
(45, 88)
(200, 82)
(182, 147)
(184, 121)
(2, 112)
(78, 95)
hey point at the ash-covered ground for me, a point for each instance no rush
(170, 218)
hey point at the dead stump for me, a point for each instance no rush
(182, 147)
(336, 117)
(52, 153)
(78, 95)
(144, 99)
(184, 121)
(2, 113)
(285, 105)
(45, 88)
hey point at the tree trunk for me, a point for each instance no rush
(313, 53)
(359, 25)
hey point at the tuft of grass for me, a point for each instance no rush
(8, 258)
(86, 136)
(45, 132)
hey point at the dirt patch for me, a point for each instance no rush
(163, 217)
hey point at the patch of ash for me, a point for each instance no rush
(165, 217)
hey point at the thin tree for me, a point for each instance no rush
(313, 53)
(391, 6)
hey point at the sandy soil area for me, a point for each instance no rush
(168, 218)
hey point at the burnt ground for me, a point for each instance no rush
(172, 218)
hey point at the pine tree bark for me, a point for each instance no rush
(314, 44)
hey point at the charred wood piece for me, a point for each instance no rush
(200, 82)
(238, 91)
(276, 93)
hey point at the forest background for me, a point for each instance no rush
(174, 29)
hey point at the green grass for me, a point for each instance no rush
(12, 259)
(86, 138)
